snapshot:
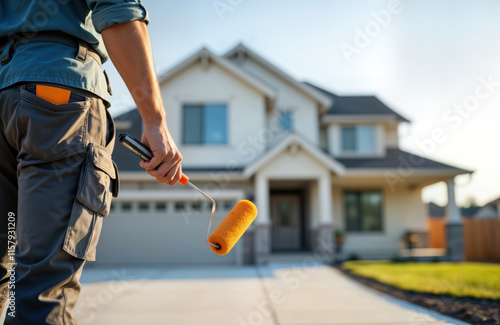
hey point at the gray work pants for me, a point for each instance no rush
(56, 183)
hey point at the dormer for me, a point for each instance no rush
(359, 126)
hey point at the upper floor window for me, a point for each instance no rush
(205, 124)
(358, 138)
(286, 121)
(363, 210)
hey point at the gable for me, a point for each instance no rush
(212, 84)
(205, 59)
(294, 155)
(291, 92)
(294, 163)
(206, 82)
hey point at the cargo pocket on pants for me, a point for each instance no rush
(98, 183)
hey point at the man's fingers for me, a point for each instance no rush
(172, 174)
(161, 170)
(165, 165)
(167, 172)
(178, 175)
(172, 177)
(158, 157)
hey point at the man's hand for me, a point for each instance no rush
(166, 163)
(129, 48)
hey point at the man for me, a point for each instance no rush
(56, 139)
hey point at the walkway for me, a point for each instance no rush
(277, 294)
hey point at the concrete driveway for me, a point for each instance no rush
(278, 294)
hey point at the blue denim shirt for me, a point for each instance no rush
(56, 63)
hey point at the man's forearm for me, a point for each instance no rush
(129, 48)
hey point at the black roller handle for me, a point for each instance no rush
(136, 146)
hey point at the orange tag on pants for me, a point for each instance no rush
(53, 94)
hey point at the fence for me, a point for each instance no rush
(437, 232)
(481, 238)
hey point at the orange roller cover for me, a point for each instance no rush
(233, 226)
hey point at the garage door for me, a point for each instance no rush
(143, 232)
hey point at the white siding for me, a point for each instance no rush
(403, 210)
(246, 114)
(391, 136)
(291, 99)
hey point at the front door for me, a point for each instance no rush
(286, 225)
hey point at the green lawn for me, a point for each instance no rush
(477, 280)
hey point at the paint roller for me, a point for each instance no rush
(227, 234)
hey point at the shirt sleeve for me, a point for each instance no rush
(108, 12)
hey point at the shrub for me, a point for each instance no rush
(397, 259)
(353, 257)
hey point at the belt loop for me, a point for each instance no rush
(9, 49)
(82, 51)
(107, 81)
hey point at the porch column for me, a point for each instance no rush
(324, 239)
(325, 200)
(452, 210)
(263, 221)
(454, 229)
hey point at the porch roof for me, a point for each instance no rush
(396, 158)
(286, 141)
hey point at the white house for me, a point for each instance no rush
(313, 162)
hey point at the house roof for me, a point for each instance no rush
(324, 100)
(434, 210)
(124, 158)
(437, 211)
(495, 202)
(292, 138)
(358, 105)
(394, 158)
(205, 55)
(127, 161)
(488, 211)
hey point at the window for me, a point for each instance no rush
(179, 206)
(127, 207)
(205, 124)
(358, 138)
(229, 205)
(363, 211)
(196, 206)
(161, 206)
(286, 121)
(143, 206)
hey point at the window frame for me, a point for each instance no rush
(203, 106)
(356, 151)
(291, 120)
(359, 205)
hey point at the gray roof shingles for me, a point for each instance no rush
(396, 158)
(357, 105)
(437, 211)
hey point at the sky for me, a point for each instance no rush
(435, 62)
